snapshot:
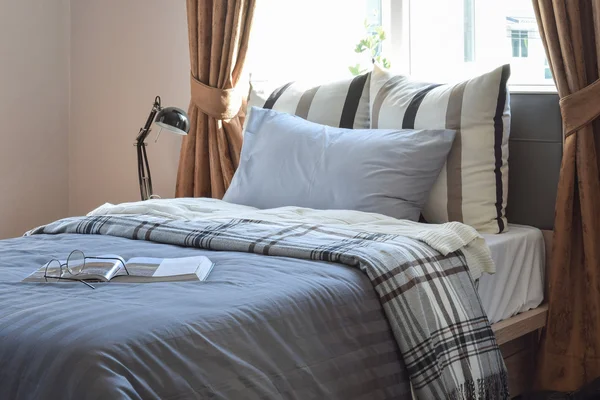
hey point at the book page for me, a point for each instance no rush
(146, 270)
(177, 266)
(102, 267)
(141, 266)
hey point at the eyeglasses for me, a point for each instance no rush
(74, 267)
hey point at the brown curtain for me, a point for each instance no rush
(570, 349)
(219, 34)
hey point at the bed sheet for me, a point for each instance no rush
(518, 284)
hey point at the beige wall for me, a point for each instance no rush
(123, 54)
(77, 81)
(34, 105)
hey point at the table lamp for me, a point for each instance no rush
(172, 119)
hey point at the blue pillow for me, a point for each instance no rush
(288, 161)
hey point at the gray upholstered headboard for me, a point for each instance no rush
(535, 151)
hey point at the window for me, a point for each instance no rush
(469, 34)
(373, 12)
(547, 72)
(435, 40)
(309, 39)
(519, 43)
(450, 40)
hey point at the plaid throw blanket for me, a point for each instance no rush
(430, 301)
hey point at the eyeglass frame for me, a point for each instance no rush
(66, 264)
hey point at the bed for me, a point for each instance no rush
(307, 325)
(302, 322)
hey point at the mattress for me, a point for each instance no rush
(518, 284)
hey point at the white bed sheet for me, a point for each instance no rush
(518, 284)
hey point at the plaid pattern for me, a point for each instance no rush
(430, 301)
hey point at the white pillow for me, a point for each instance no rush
(473, 186)
(343, 103)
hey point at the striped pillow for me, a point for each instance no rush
(343, 104)
(473, 186)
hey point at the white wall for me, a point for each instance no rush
(123, 54)
(34, 104)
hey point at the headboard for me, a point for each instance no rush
(535, 153)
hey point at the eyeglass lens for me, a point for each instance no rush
(75, 262)
(53, 271)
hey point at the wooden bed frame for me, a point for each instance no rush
(518, 338)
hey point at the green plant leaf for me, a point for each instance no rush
(354, 70)
(371, 42)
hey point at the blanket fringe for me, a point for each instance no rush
(493, 387)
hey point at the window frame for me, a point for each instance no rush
(399, 46)
(520, 39)
(469, 33)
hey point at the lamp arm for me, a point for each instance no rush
(149, 190)
(144, 177)
(145, 130)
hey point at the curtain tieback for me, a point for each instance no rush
(214, 102)
(580, 108)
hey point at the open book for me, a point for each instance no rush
(137, 270)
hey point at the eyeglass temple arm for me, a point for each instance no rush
(85, 283)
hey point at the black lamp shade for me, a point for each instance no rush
(173, 119)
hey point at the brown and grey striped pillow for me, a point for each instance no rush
(343, 104)
(473, 186)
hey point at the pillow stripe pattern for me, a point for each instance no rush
(357, 86)
(305, 102)
(473, 185)
(273, 97)
(380, 98)
(498, 137)
(411, 112)
(342, 104)
(454, 170)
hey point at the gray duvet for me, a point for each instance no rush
(260, 328)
